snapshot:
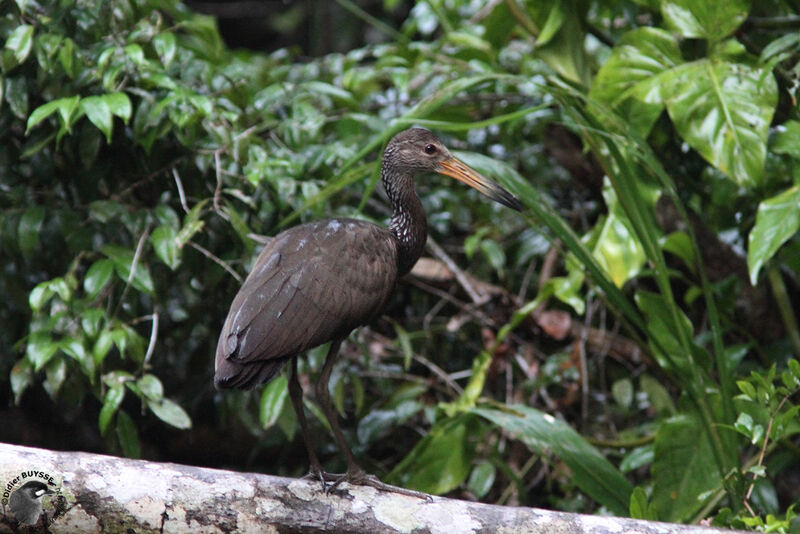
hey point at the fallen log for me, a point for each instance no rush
(92, 493)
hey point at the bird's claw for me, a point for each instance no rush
(360, 478)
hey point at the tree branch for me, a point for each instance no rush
(104, 493)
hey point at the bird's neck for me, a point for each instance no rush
(408, 224)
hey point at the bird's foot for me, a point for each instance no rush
(359, 478)
(323, 477)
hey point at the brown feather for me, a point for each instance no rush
(311, 284)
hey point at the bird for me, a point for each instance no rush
(317, 282)
(26, 502)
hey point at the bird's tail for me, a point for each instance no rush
(232, 374)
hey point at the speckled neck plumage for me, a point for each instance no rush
(408, 223)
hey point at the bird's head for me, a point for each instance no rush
(35, 489)
(417, 150)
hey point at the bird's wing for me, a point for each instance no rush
(311, 284)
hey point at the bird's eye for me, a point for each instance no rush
(430, 149)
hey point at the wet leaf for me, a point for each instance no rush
(723, 110)
(705, 19)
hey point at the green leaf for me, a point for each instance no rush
(666, 344)
(20, 41)
(622, 391)
(118, 104)
(171, 413)
(405, 345)
(128, 436)
(629, 80)
(482, 479)
(111, 404)
(378, 423)
(28, 229)
(91, 321)
(151, 387)
(591, 471)
(494, 255)
(638, 457)
(684, 468)
(21, 377)
(777, 220)
(165, 243)
(40, 349)
(659, 397)
(164, 43)
(273, 399)
(55, 375)
(441, 460)
(723, 110)
(705, 19)
(123, 260)
(65, 106)
(97, 277)
(640, 508)
(40, 295)
(787, 139)
(16, 94)
(98, 111)
(618, 250)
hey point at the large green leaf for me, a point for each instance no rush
(542, 432)
(441, 461)
(777, 220)
(629, 82)
(684, 469)
(723, 110)
(706, 19)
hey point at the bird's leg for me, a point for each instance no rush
(354, 474)
(324, 400)
(296, 394)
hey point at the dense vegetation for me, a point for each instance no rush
(644, 300)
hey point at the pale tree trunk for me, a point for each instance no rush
(96, 493)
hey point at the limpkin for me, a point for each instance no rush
(316, 282)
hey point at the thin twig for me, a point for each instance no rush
(763, 452)
(181, 193)
(459, 274)
(134, 265)
(218, 189)
(208, 254)
(153, 336)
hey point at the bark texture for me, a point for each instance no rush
(99, 494)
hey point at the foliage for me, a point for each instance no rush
(141, 158)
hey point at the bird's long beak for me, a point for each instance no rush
(456, 169)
